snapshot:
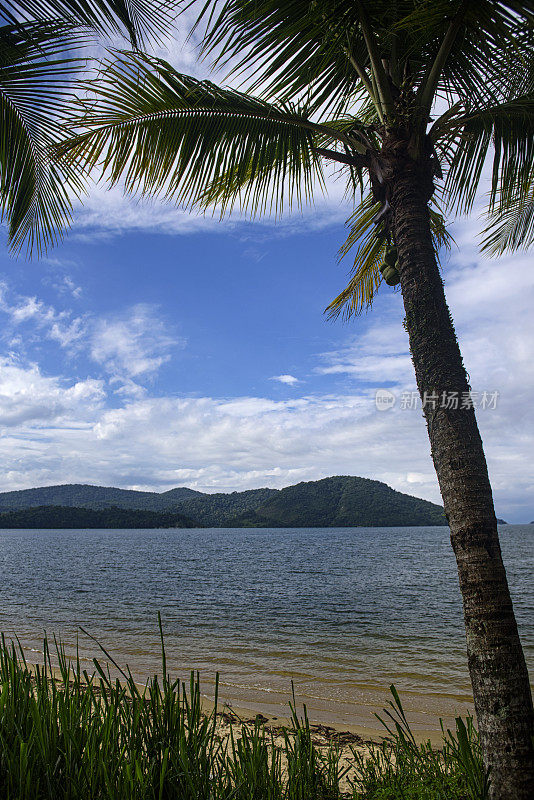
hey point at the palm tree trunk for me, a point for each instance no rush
(501, 690)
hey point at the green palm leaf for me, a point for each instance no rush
(512, 222)
(366, 67)
(35, 187)
(161, 132)
(140, 19)
(293, 56)
(320, 49)
(507, 129)
(365, 275)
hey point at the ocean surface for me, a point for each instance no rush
(341, 612)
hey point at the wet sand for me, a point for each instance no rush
(358, 720)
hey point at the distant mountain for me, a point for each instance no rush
(82, 495)
(71, 517)
(341, 501)
(220, 510)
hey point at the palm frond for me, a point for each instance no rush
(365, 275)
(512, 223)
(472, 51)
(35, 187)
(507, 129)
(163, 133)
(371, 242)
(142, 20)
(318, 50)
(329, 51)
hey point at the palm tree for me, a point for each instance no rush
(407, 97)
(40, 54)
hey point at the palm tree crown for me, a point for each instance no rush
(328, 81)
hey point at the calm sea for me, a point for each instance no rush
(341, 612)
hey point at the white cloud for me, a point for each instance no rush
(129, 345)
(207, 443)
(60, 326)
(289, 380)
(213, 444)
(107, 212)
(133, 344)
(27, 397)
(378, 356)
(69, 286)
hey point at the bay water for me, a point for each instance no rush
(341, 612)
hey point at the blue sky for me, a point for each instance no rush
(155, 349)
(221, 313)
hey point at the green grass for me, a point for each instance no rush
(401, 769)
(66, 734)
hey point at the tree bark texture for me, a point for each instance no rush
(501, 689)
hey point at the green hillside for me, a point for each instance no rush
(71, 517)
(219, 510)
(209, 509)
(343, 501)
(86, 496)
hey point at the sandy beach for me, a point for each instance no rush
(424, 710)
(424, 726)
(345, 723)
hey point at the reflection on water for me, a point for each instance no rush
(341, 612)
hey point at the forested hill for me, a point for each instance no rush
(344, 502)
(72, 517)
(81, 495)
(341, 501)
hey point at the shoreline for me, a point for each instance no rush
(357, 719)
(355, 711)
(355, 725)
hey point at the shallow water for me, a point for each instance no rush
(341, 612)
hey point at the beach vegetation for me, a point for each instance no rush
(67, 733)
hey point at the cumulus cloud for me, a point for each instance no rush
(129, 345)
(289, 380)
(27, 397)
(218, 444)
(211, 443)
(60, 326)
